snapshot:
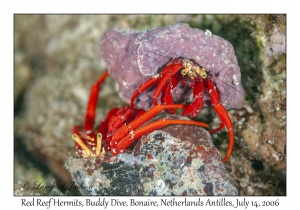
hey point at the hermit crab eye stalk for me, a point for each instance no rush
(90, 153)
(87, 151)
(99, 142)
(184, 72)
(203, 74)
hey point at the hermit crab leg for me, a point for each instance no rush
(91, 107)
(84, 135)
(155, 79)
(219, 108)
(166, 97)
(222, 113)
(172, 67)
(103, 127)
(134, 135)
(219, 128)
(198, 92)
(124, 116)
(125, 129)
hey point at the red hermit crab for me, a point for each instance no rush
(120, 128)
(181, 69)
(132, 58)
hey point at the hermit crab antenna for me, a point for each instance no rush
(87, 150)
(217, 80)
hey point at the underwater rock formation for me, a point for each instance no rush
(176, 160)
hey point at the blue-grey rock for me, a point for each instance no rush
(176, 160)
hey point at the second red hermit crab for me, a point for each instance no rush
(120, 128)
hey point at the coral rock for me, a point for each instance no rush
(177, 160)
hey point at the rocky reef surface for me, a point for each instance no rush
(58, 58)
(176, 160)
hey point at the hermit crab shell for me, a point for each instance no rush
(133, 57)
